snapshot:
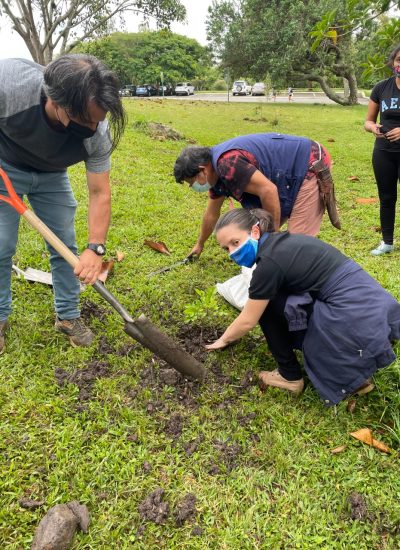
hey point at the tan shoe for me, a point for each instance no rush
(365, 388)
(76, 330)
(3, 328)
(273, 378)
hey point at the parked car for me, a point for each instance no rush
(146, 90)
(168, 90)
(241, 87)
(184, 88)
(131, 89)
(124, 92)
(258, 88)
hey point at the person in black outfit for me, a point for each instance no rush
(307, 295)
(385, 100)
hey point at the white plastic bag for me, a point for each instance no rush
(236, 289)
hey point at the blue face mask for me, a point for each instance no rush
(246, 254)
(201, 188)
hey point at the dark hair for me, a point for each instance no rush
(392, 55)
(72, 80)
(245, 219)
(188, 162)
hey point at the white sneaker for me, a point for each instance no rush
(383, 248)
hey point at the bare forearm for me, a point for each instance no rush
(207, 227)
(270, 202)
(99, 216)
(237, 329)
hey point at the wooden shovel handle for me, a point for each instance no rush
(51, 238)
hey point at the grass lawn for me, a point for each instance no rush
(258, 464)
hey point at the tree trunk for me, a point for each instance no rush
(329, 92)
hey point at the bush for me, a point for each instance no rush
(219, 86)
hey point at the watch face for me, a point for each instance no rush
(100, 249)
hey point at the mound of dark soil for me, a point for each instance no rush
(185, 510)
(174, 425)
(358, 506)
(154, 508)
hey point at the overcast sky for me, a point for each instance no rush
(12, 45)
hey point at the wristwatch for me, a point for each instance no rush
(97, 248)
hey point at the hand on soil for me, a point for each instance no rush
(218, 344)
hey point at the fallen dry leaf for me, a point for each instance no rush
(354, 178)
(106, 268)
(120, 255)
(365, 435)
(331, 140)
(366, 200)
(338, 450)
(159, 246)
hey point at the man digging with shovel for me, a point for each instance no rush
(52, 118)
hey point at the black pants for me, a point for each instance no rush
(280, 341)
(386, 165)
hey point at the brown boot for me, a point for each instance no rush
(273, 378)
(76, 330)
(3, 328)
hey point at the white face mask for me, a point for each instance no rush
(201, 188)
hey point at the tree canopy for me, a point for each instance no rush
(295, 40)
(47, 26)
(141, 57)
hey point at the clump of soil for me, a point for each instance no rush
(161, 132)
(197, 531)
(194, 339)
(105, 348)
(91, 310)
(153, 508)
(228, 455)
(245, 419)
(174, 426)
(186, 509)
(29, 504)
(192, 446)
(83, 378)
(358, 506)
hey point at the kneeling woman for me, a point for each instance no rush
(307, 295)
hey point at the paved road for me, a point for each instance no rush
(199, 96)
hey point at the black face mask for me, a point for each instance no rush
(78, 131)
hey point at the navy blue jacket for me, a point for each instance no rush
(283, 159)
(349, 332)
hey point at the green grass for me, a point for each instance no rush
(281, 487)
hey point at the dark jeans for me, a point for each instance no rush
(386, 165)
(280, 341)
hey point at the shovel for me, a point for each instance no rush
(141, 329)
(188, 259)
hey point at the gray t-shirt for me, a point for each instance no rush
(27, 140)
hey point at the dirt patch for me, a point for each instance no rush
(157, 376)
(105, 348)
(29, 504)
(358, 506)
(154, 508)
(261, 119)
(89, 310)
(194, 339)
(84, 378)
(229, 454)
(192, 446)
(160, 131)
(174, 425)
(244, 420)
(185, 510)
(197, 531)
